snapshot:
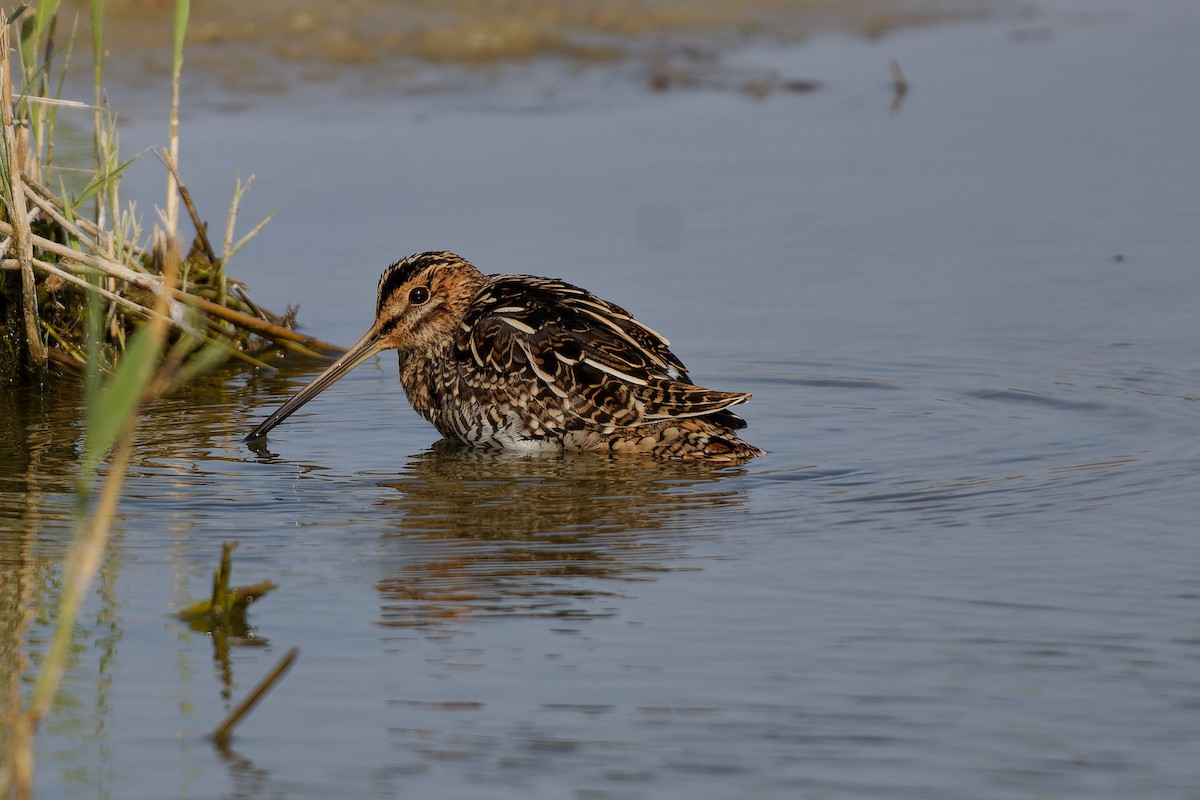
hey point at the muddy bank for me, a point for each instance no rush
(270, 44)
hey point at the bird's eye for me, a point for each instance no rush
(418, 296)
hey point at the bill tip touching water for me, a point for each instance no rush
(526, 363)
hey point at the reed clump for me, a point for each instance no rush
(82, 290)
(60, 245)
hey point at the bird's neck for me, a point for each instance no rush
(418, 377)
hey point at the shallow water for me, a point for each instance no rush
(966, 567)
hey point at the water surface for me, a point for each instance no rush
(966, 567)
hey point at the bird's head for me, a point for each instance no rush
(420, 302)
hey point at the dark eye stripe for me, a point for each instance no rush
(388, 326)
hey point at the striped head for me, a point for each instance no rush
(419, 305)
(422, 299)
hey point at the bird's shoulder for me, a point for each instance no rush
(560, 341)
(549, 323)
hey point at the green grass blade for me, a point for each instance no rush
(118, 400)
(101, 180)
(16, 14)
(182, 9)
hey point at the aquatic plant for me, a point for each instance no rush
(54, 254)
(84, 295)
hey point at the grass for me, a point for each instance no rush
(55, 243)
(83, 293)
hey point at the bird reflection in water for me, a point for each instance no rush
(483, 534)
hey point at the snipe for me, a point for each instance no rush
(520, 362)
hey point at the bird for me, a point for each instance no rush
(519, 362)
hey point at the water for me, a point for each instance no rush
(966, 567)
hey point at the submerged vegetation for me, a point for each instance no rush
(224, 612)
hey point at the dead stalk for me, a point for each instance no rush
(22, 243)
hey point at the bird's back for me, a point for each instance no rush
(539, 362)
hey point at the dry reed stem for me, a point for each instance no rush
(138, 310)
(172, 211)
(202, 235)
(153, 283)
(283, 336)
(52, 211)
(6, 242)
(239, 189)
(223, 731)
(186, 196)
(142, 280)
(131, 250)
(141, 312)
(91, 250)
(21, 234)
(64, 359)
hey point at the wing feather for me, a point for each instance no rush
(562, 350)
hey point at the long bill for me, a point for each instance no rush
(363, 349)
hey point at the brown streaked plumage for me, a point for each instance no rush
(517, 361)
